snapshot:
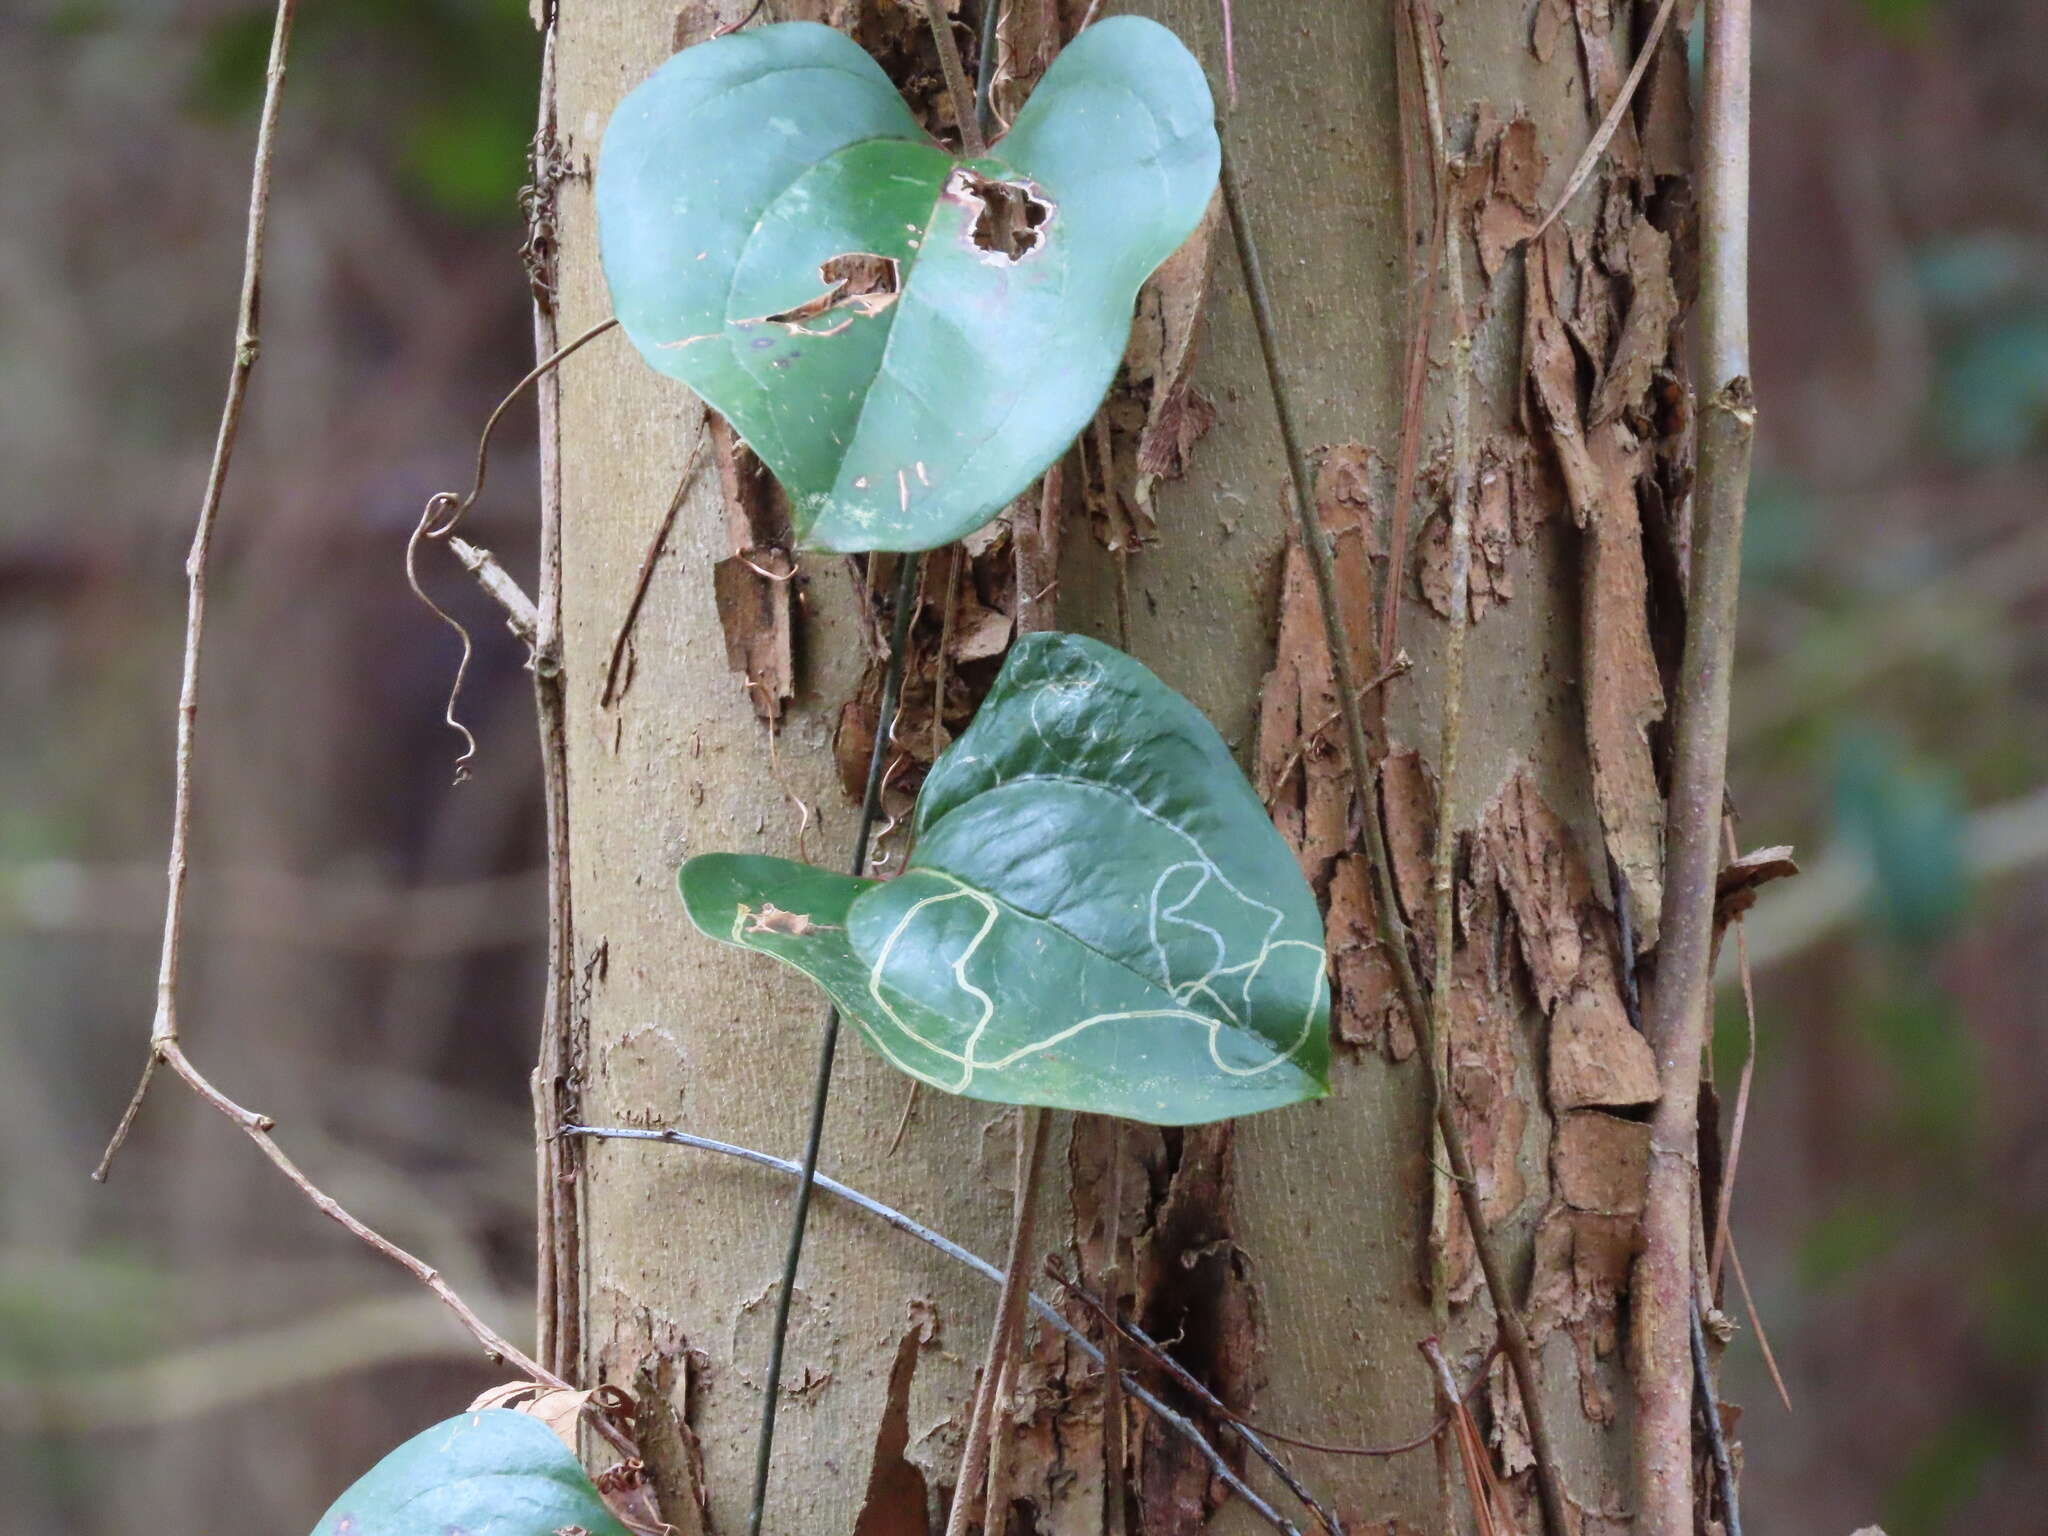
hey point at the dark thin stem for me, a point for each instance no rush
(828, 1044)
(1041, 1308)
(972, 145)
(1193, 1384)
(985, 68)
(1393, 932)
(1717, 1439)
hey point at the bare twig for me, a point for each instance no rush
(521, 616)
(258, 1128)
(1725, 1196)
(828, 1043)
(1046, 1313)
(1452, 713)
(1488, 1511)
(623, 635)
(972, 144)
(164, 1046)
(1033, 1131)
(1717, 1438)
(1415, 373)
(1589, 162)
(1119, 1327)
(163, 1029)
(1675, 1016)
(558, 1300)
(1763, 1339)
(1393, 931)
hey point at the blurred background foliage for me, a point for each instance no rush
(365, 960)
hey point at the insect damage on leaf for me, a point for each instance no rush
(1009, 216)
(1178, 980)
(858, 286)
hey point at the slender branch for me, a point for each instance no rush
(1118, 1327)
(828, 1043)
(1717, 1437)
(1415, 371)
(163, 1029)
(972, 144)
(1033, 1131)
(258, 1128)
(558, 1268)
(1452, 716)
(1045, 1312)
(1675, 1017)
(499, 584)
(1393, 931)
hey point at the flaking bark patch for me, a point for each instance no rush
(753, 587)
(898, 1502)
(1623, 691)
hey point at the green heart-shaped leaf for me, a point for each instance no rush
(1097, 913)
(491, 1473)
(905, 398)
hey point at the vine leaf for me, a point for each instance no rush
(493, 1471)
(905, 339)
(1096, 915)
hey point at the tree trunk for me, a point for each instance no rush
(1299, 1257)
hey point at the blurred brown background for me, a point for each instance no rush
(192, 1349)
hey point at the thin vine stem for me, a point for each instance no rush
(1393, 931)
(1042, 1309)
(828, 1043)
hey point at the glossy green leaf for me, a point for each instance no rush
(733, 177)
(1096, 914)
(489, 1473)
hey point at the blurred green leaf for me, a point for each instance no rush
(1900, 18)
(1991, 403)
(1856, 1233)
(1942, 1473)
(1933, 1061)
(1907, 820)
(493, 1473)
(1779, 532)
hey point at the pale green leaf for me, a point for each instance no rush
(488, 1473)
(731, 178)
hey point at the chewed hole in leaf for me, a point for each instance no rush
(1009, 216)
(857, 285)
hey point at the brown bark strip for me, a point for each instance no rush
(754, 585)
(1601, 467)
